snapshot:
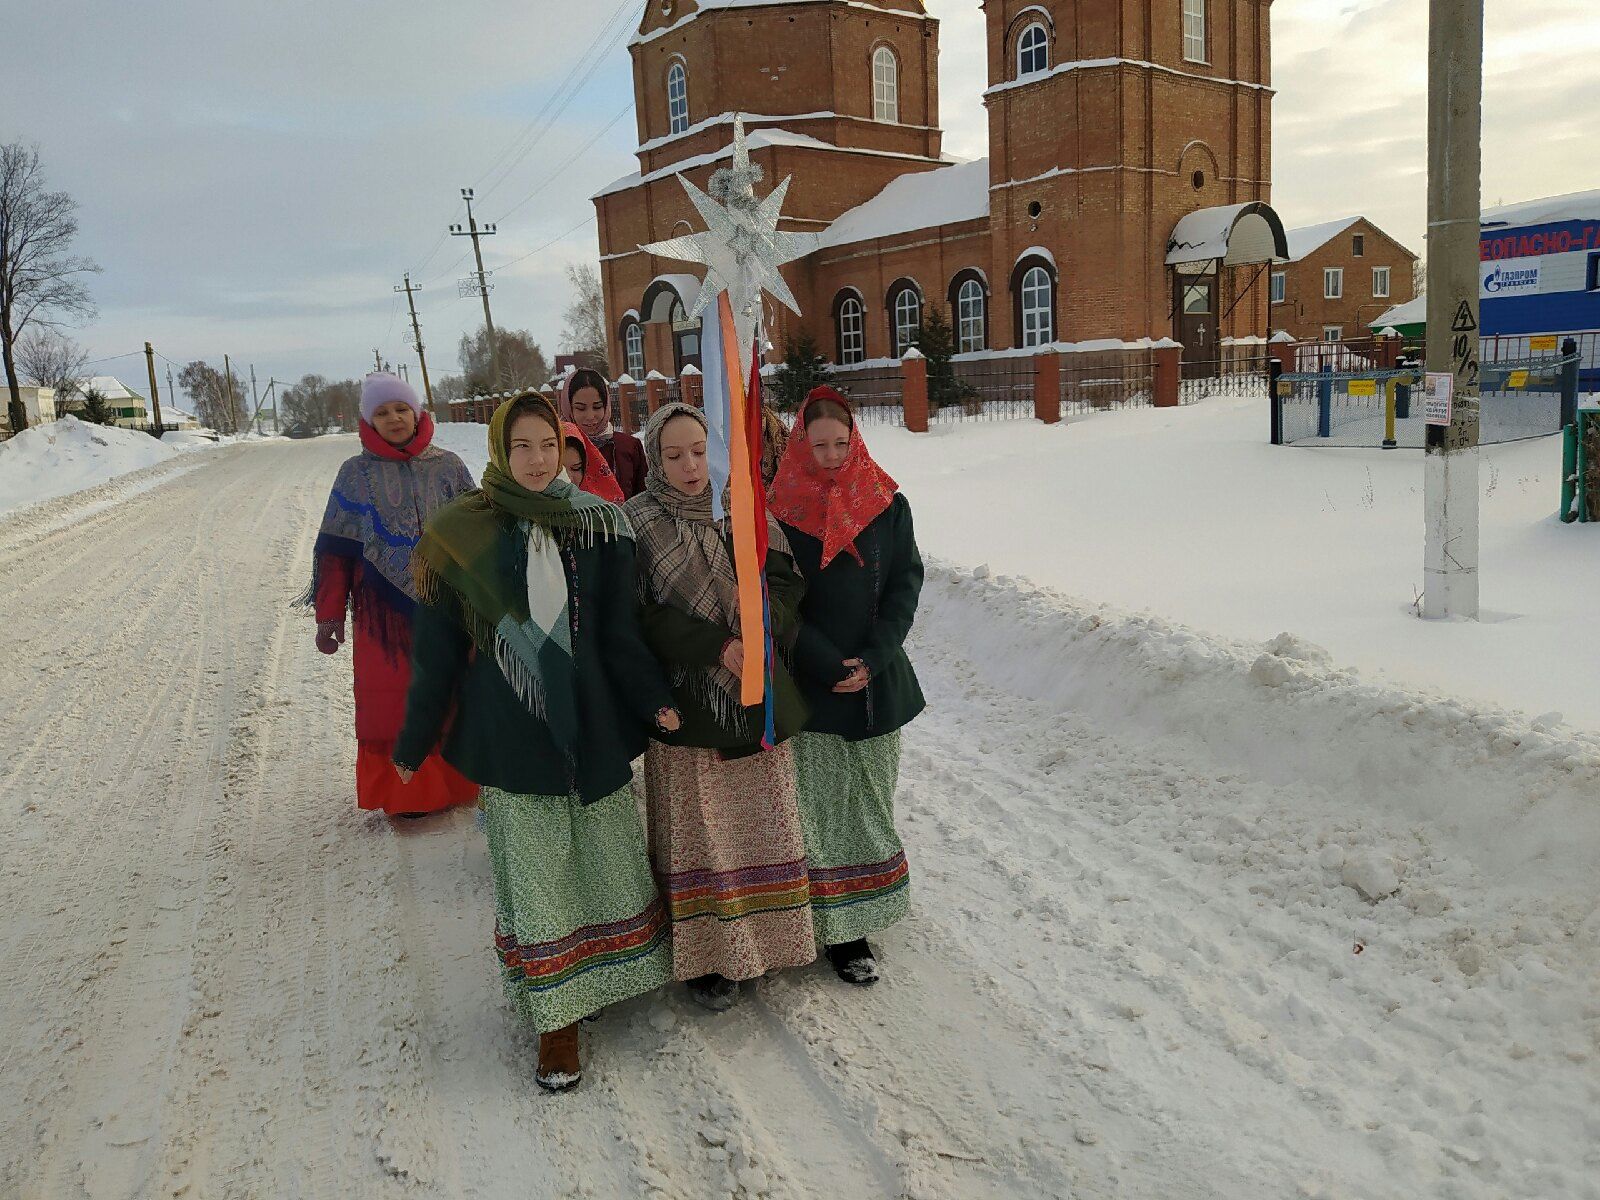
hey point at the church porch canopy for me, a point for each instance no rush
(1232, 234)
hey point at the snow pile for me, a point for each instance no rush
(65, 456)
(922, 200)
(469, 440)
(1341, 937)
(1190, 513)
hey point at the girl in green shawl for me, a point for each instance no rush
(530, 672)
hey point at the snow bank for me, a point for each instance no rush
(60, 457)
(467, 439)
(1520, 798)
(1190, 513)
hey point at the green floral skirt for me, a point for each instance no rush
(860, 882)
(578, 923)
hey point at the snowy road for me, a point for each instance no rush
(1130, 970)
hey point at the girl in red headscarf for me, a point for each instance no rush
(587, 467)
(851, 533)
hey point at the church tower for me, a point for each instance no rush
(1109, 121)
(841, 94)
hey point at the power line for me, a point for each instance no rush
(551, 242)
(564, 92)
(577, 154)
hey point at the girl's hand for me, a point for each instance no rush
(668, 720)
(857, 680)
(733, 656)
(406, 773)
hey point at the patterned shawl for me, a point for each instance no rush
(832, 506)
(598, 477)
(684, 561)
(375, 513)
(515, 605)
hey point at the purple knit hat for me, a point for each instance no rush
(382, 388)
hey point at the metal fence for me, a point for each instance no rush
(1521, 397)
(983, 389)
(1098, 382)
(1245, 378)
(876, 392)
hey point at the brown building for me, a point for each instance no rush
(1124, 196)
(1340, 276)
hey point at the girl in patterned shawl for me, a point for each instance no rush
(380, 499)
(529, 661)
(852, 537)
(724, 822)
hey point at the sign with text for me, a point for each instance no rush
(1361, 387)
(1436, 399)
(1517, 379)
(1545, 341)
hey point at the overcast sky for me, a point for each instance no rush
(255, 177)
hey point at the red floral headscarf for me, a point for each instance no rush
(598, 477)
(832, 506)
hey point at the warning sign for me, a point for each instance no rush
(1436, 400)
(1517, 379)
(1544, 342)
(1361, 387)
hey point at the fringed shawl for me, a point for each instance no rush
(684, 561)
(375, 515)
(513, 600)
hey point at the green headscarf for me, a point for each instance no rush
(512, 591)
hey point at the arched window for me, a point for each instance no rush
(849, 319)
(1033, 50)
(1038, 307)
(885, 85)
(633, 349)
(678, 97)
(905, 316)
(969, 300)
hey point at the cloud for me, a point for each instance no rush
(255, 177)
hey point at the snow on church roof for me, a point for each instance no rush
(921, 200)
(1574, 206)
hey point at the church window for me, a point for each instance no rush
(678, 97)
(970, 320)
(633, 349)
(1194, 30)
(906, 309)
(885, 85)
(1038, 308)
(1033, 50)
(852, 332)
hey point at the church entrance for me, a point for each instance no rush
(1194, 304)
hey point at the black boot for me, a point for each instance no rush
(854, 963)
(713, 991)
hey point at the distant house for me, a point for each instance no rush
(130, 407)
(38, 402)
(1340, 276)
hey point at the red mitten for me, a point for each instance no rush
(330, 636)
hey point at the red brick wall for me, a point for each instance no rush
(1305, 312)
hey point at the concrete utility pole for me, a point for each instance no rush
(255, 401)
(233, 405)
(475, 233)
(1450, 471)
(155, 388)
(377, 359)
(416, 333)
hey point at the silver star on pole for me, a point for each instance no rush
(742, 247)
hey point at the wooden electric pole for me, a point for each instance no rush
(473, 231)
(155, 388)
(233, 405)
(1450, 465)
(416, 333)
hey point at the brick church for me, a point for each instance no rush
(1125, 195)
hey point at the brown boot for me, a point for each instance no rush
(558, 1060)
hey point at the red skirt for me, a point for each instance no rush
(436, 785)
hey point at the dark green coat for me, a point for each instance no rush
(681, 639)
(860, 610)
(492, 738)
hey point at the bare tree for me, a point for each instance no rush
(41, 283)
(49, 358)
(585, 332)
(217, 406)
(311, 405)
(344, 403)
(522, 362)
(450, 387)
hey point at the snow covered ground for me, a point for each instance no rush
(69, 455)
(1193, 918)
(1189, 513)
